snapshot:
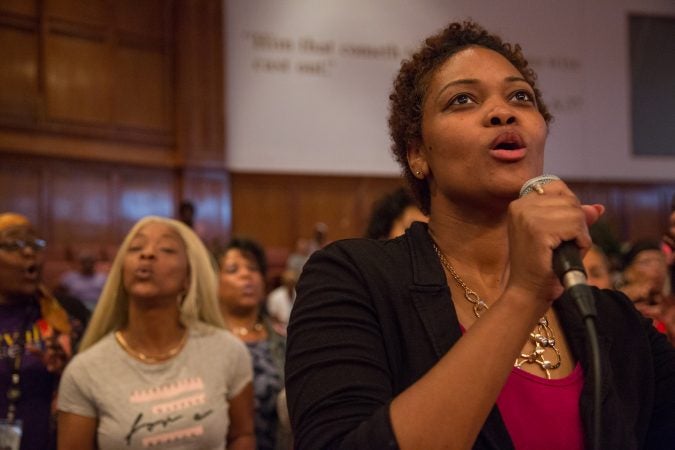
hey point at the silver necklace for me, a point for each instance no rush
(541, 338)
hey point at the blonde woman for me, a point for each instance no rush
(156, 367)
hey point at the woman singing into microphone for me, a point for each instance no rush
(457, 334)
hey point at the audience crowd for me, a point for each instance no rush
(156, 354)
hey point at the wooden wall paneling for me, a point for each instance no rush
(200, 123)
(81, 160)
(278, 209)
(645, 209)
(143, 82)
(106, 70)
(263, 209)
(139, 98)
(343, 203)
(641, 213)
(633, 210)
(144, 18)
(287, 206)
(18, 73)
(590, 192)
(20, 189)
(667, 197)
(21, 7)
(80, 205)
(143, 192)
(75, 199)
(330, 200)
(209, 190)
(78, 80)
(93, 12)
(62, 145)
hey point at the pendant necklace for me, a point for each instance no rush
(541, 338)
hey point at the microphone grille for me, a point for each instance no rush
(541, 179)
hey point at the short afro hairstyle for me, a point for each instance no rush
(410, 87)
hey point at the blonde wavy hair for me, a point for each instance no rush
(199, 307)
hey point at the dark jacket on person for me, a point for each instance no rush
(372, 317)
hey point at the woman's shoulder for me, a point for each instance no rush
(616, 313)
(101, 347)
(615, 303)
(101, 350)
(415, 234)
(210, 336)
(218, 349)
(367, 251)
(407, 259)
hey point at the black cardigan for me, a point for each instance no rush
(371, 317)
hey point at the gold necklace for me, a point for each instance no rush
(243, 331)
(541, 337)
(147, 358)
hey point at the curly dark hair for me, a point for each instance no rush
(411, 84)
(386, 210)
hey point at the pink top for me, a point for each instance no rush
(541, 413)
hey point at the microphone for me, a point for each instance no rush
(567, 263)
(569, 268)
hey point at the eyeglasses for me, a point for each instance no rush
(16, 245)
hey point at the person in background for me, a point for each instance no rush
(319, 237)
(83, 283)
(663, 315)
(644, 273)
(668, 245)
(36, 338)
(644, 277)
(597, 268)
(459, 334)
(186, 213)
(392, 214)
(243, 267)
(297, 259)
(156, 366)
(280, 301)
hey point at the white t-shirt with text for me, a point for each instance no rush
(178, 404)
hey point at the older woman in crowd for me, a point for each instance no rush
(156, 367)
(644, 280)
(243, 267)
(37, 338)
(598, 271)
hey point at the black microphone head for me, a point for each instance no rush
(528, 186)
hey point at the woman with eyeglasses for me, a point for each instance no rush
(36, 336)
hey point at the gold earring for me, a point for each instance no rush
(418, 173)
